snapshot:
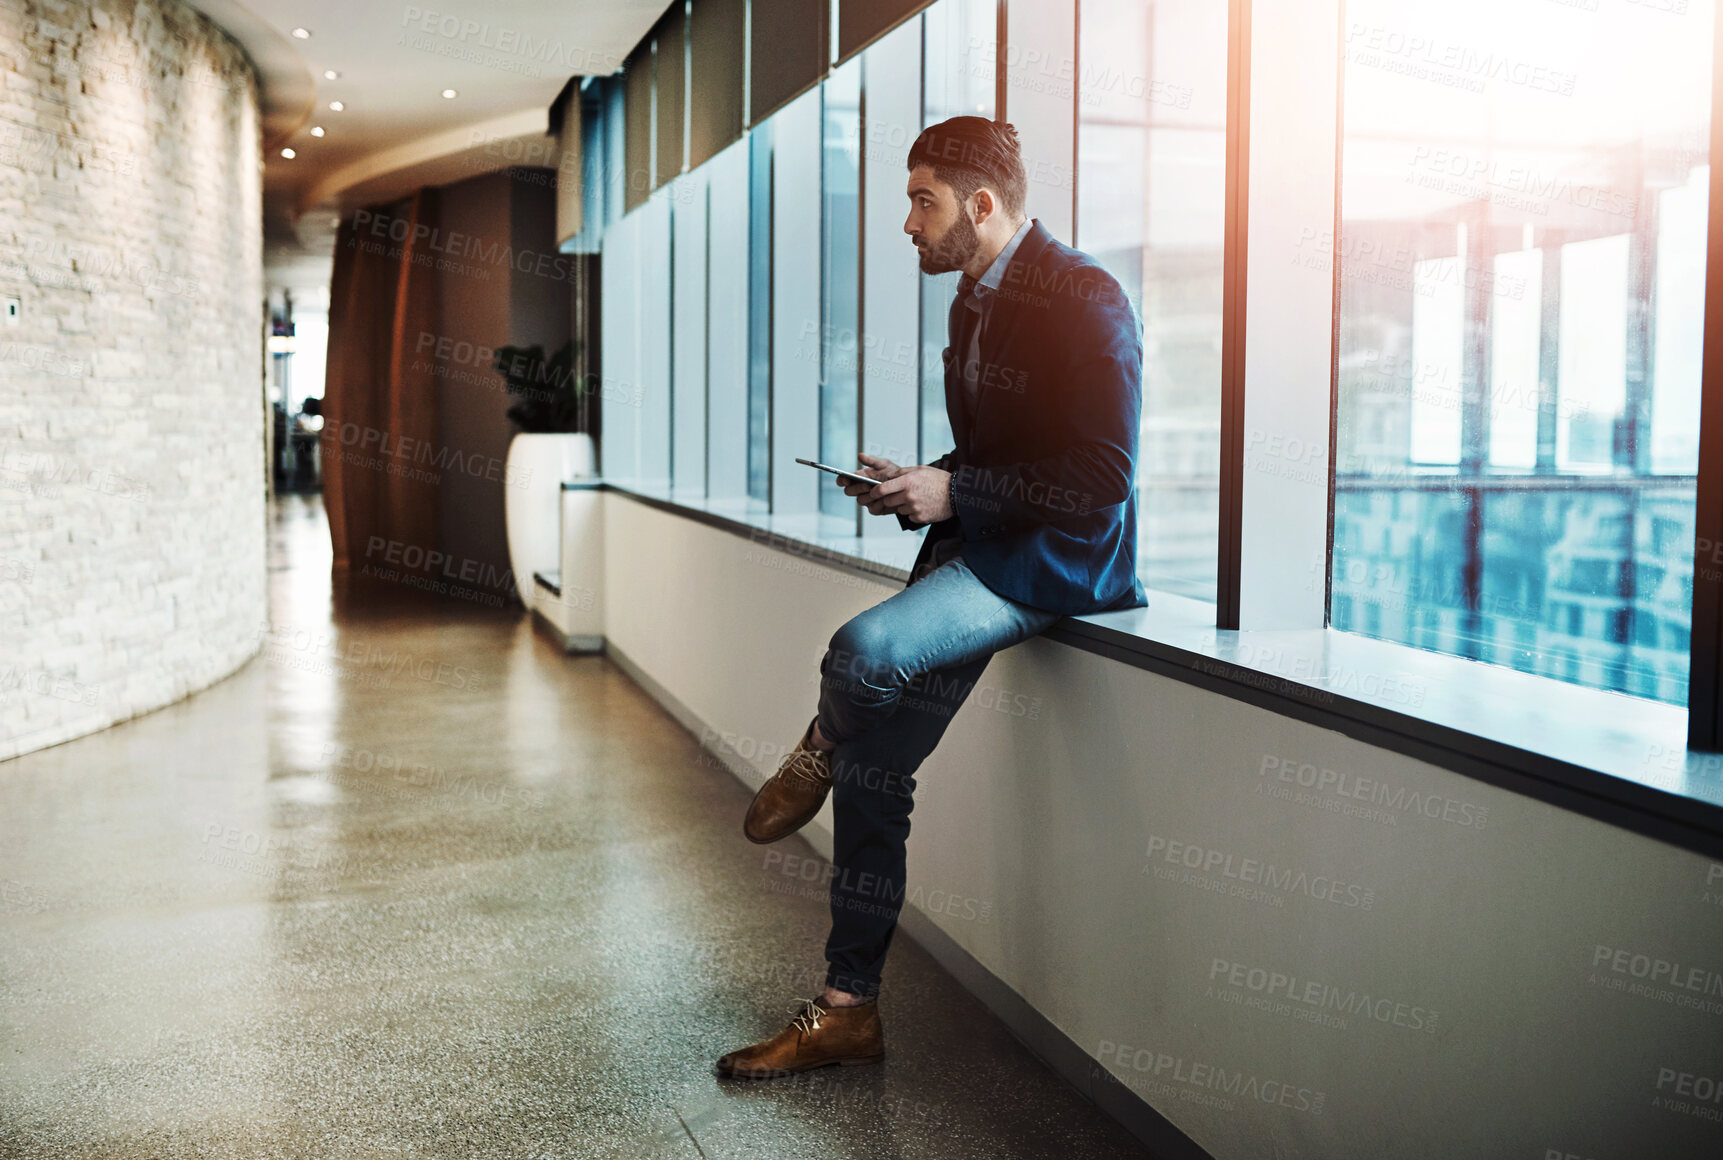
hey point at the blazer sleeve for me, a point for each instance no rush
(1098, 395)
(943, 463)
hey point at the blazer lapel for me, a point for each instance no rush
(1014, 287)
(954, 408)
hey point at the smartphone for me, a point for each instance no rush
(840, 472)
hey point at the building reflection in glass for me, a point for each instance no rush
(1522, 250)
(1151, 207)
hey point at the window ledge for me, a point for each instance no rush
(821, 538)
(1619, 758)
(1588, 749)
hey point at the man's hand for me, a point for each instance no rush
(877, 468)
(922, 494)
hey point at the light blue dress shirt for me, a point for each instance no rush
(980, 300)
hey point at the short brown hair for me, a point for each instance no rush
(967, 153)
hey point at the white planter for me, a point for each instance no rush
(532, 505)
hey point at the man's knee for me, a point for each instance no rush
(861, 650)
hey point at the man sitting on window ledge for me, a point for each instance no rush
(1032, 517)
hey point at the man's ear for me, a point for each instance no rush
(985, 205)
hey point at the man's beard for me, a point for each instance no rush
(954, 250)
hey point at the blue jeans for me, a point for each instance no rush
(890, 683)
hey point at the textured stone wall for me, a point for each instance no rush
(132, 522)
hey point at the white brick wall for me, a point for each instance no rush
(132, 515)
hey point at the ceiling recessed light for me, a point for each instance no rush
(289, 154)
(301, 34)
(317, 130)
(330, 74)
(448, 94)
(336, 106)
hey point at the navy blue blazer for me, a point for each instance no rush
(1044, 494)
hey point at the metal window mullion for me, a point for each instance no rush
(921, 283)
(1231, 482)
(706, 344)
(1278, 397)
(1634, 452)
(1475, 388)
(1705, 672)
(670, 349)
(1549, 351)
(771, 320)
(861, 264)
(1334, 314)
(1077, 104)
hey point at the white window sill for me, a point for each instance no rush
(1621, 758)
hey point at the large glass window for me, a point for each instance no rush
(891, 308)
(1521, 302)
(797, 260)
(1151, 198)
(619, 329)
(958, 48)
(727, 306)
(1521, 262)
(688, 351)
(840, 279)
(652, 338)
(760, 312)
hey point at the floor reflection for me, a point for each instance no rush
(352, 903)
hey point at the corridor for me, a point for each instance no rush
(413, 883)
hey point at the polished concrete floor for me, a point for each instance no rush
(413, 883)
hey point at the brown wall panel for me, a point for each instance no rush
(861, 22)
(717, 35)
(637, 126)
(788, 52)
(671, 82)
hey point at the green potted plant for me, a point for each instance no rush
(553, 397)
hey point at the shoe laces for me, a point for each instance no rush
(808, 1016)
(809, 765)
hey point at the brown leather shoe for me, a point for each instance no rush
(817, 1037)
(792, 796)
